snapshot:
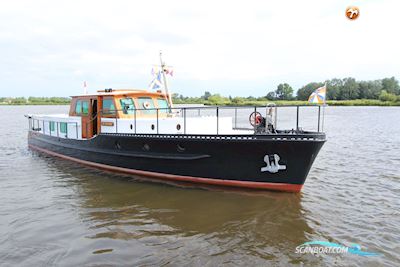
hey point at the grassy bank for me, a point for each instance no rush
(356, 102)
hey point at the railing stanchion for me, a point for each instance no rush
(184, 120)
(217, 120)
(43, 127)
(116, 124)
(297, 118)
(76, 127)
(58, 134)
(235, 117)
(255, 119)
(157, 120)
(319, 115)
(134, 114)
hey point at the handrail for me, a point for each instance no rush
(157, 113)
(56, 122)
(183, 112)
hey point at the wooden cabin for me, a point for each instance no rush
(118, 104)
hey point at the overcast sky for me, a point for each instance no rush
(48, 48)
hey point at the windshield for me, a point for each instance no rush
(146, 105)
(162, 105)
(127, 105)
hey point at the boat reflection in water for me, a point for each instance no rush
(131, 222)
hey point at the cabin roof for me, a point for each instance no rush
(119, 92)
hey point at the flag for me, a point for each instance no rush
(156, 82)
(318, 96)
(155, 70)
(169, 71)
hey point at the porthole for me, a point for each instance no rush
(178, 127)
(180, 148)
(146, 147)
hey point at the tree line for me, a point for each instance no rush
(35, 100)
(386, 89)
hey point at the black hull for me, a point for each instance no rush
(218, 160)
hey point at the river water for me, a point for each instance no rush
(58, 213)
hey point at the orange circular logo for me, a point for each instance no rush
(352, 12)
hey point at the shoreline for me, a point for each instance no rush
(356, 102)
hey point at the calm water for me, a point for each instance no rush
(58, 213)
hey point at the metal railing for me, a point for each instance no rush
(240, 115)
(187, 112)
(38, 125)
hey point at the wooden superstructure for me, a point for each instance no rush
(122, 103)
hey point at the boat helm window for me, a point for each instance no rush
(78, 107)
(85, 107)
(146, 105)
(162, 105)
(82, 107)
(108, 106)
(127, 105)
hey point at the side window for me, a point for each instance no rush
(162, 105)
(63, 127)
(146, 105)
(52, 126)
(85, 107)
(108, 106)
(78, 107)
(127, 105)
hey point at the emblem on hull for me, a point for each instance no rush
(272, 164)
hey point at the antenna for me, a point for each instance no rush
(165, 81)
(85, 92)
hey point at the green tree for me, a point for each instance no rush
(334, 87)
(304, 92)
(385, 96)
(238, 100)
(271, 96)
(218, 100)
(18, 100)
(370, 89)
(350, 89)
(284, 92)
(391, 85)
(206, 95)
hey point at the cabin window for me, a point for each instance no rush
(52, 126)
(108, 106)
(146, 105)
(163, 105)
(85, 107)
(63, 127)
(127, 105)
(82, 107)
(78, 107)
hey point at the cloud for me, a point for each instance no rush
(230, 47)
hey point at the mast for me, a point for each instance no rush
(165, 82)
